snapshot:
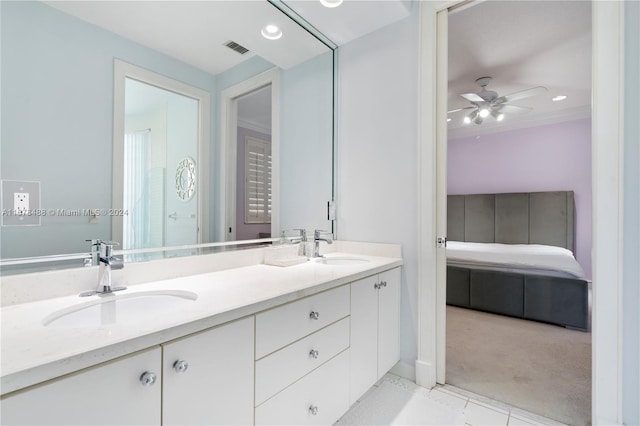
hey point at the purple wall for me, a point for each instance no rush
(246, 231)
(555, 157)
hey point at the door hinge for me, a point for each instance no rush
(441, 242)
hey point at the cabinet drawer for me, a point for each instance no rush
(283, 325)
(281, 368)
(325, 389)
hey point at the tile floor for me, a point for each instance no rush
(398, 401)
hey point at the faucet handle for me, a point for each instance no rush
(318, 232)
(106, 247)
(303, 234)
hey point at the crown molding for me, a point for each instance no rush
(522, 122)
(254, 126)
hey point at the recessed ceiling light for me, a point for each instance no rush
(559, 98)
(448, 120)
(271, 32)
(331, 3)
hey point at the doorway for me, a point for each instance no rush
(534, 88)
(606, 148)
(250, 118)
(160, 160)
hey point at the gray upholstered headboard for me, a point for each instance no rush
(514, 218)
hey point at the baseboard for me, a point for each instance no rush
(404, 369)
(425, 374)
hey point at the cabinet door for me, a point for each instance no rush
(215, 386)
(109, 394)
(364, 337)
(388, 321)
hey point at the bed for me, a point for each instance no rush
(512, 254)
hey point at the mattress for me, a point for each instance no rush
(519, 258)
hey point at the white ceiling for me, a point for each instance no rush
(521, 44)
(353, 18)
(195, 31)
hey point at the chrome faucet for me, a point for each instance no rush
(317, 237)
(303, 242)
(106, 262)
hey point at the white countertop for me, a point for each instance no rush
(32, 353)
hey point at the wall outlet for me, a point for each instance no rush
(21, 203)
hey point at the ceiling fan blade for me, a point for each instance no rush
(523, 94)
(472, 97)
(460, 109)
(513, 109)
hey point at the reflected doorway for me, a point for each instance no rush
(254, 165)
(160, 160)
(160, 147)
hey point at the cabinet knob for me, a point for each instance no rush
(314, 354)
(180, 366)
(378, 286)
(313, 410)
(314, 315)
(148, 379)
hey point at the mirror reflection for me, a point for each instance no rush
(251, 159)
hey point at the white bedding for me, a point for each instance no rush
(532, 258)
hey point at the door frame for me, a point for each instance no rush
(229, 149)
(607, 143)
(123, 70)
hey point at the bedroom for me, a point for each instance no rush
(545, 149)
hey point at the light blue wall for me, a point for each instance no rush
(306, 144)
(631, 218)
(57, 118)
(377, 152)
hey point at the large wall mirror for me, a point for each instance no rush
(161, 123)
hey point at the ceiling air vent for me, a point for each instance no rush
(236, 47)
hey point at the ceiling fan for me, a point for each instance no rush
(487, 102)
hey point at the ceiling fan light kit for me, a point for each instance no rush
(487, 102)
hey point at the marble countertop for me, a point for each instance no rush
(32, 353)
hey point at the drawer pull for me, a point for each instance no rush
(314, 315)
(148, 379)
(314, 354)
(313, 410)
(180, 366)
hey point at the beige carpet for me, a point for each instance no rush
(541, 368)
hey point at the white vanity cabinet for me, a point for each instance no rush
(375, 330)
(121, 392)
(202, 379)
(208, 377)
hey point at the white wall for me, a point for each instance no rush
(377, 152)
(631, 212)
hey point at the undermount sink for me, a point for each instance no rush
(120, 308)
(341, 261)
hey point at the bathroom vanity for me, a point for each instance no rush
(260, 344)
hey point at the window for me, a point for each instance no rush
(257, 177)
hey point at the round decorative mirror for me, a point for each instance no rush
(186, 179)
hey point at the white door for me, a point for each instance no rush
(208, 377)
(109, 394)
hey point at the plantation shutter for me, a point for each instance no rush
(257, 170)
